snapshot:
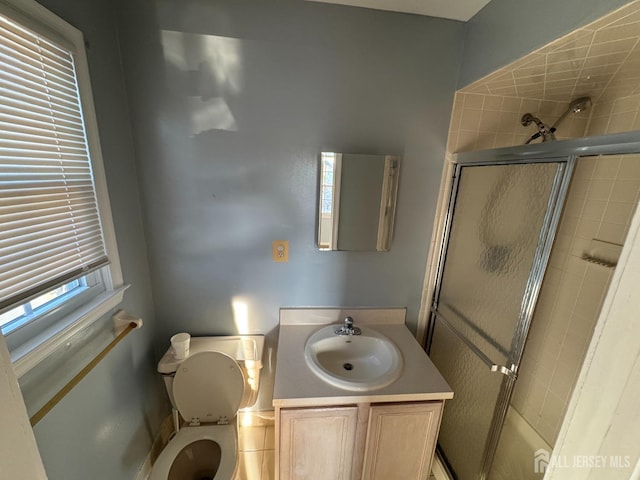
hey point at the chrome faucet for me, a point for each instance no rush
(348, 328)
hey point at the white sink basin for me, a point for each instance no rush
(368, 361)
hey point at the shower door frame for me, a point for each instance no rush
(564, 151)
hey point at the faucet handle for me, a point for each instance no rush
(348, 328)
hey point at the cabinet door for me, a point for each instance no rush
(317, 443)
(401, 441)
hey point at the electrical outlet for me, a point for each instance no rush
(280, 250)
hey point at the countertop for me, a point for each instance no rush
(297, 386)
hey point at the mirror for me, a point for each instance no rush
(357, 201)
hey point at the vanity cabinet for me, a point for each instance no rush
(379, 441)
(317, 442)
(401, 440)
(327, 431)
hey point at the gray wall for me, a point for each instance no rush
(232, 102)
(506, 30)
(103, 429)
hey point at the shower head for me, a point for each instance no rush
(580, 104)
(576, 106)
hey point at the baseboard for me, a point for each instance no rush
(145, 470)
(162, 438)
(438, 470)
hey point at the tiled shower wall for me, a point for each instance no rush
(480, 122)
(601, 60)
(616, 116)
(602, 199)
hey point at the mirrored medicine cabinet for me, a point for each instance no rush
(357, 201)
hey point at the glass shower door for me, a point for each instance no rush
(500, 230)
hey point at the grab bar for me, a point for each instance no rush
(39, 415)
(479, 353)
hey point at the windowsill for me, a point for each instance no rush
(29, 355)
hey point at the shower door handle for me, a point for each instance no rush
(509, 372)
(504, 370)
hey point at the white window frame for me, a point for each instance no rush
(334, 214)
(25, 357)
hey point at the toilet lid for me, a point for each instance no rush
(208, 386)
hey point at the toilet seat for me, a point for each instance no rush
(208, 388)
(223, 435)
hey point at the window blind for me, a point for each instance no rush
(50, 229)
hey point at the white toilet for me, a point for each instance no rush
(220, 376)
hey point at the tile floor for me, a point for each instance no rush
(255, 448)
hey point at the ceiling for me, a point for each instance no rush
(453, 9)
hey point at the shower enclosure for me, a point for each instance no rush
(504, 210)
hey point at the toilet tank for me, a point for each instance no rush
(245, 349)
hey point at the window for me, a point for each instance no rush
(23, 314)
(59, 265)
(327, 186)
(330, 171)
